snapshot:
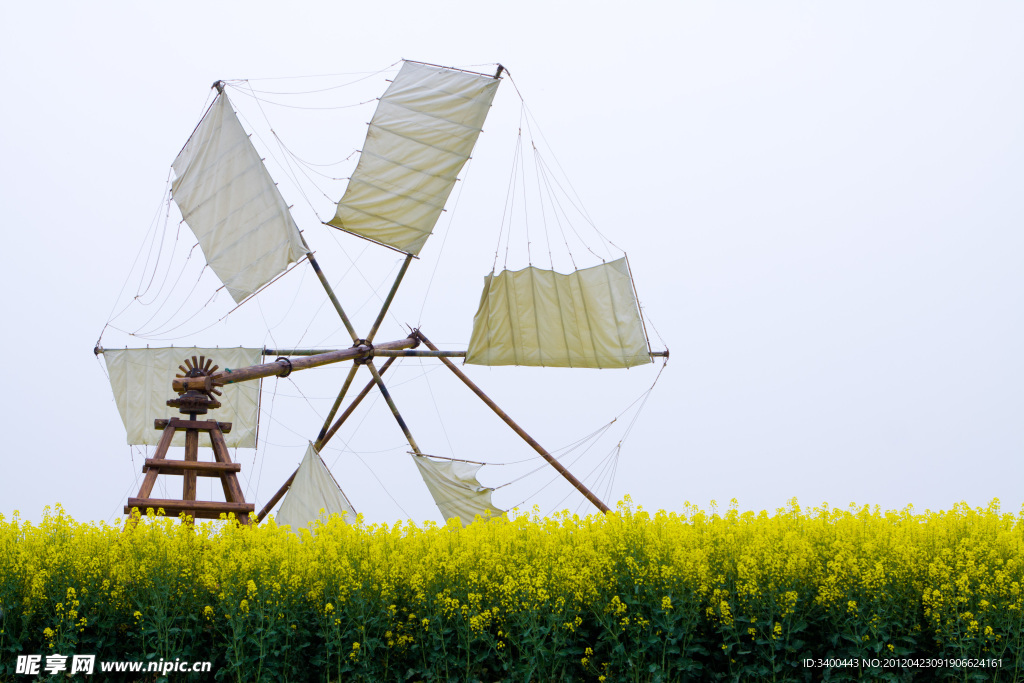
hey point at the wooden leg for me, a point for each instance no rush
(228, 495)
(191, 455)
(146, 490)
(232, 489)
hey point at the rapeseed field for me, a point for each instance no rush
(801, 594)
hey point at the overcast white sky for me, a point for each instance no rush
(821, 203)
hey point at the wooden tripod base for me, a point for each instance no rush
(190, 468)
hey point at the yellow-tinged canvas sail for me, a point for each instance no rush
(233, 206)
(313, 495)
(455, 489)
(141, 381)
(420, 137)
(586, 319)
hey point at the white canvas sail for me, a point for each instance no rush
(141, 381)
(455, 489)
(233, 206)
(313, 495)
(586, 319)
(420, 137)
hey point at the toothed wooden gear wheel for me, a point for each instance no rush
(197, 401)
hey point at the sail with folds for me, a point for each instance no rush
(455, 489)
(228, 198)
(421, 135)
(313, 495)
(586, 319)
(141, 381)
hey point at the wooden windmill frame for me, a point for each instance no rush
(199, 383)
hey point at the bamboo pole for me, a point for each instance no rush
(418, 353)
(330, 293)
(322, 441)
(284, 367)
(352, 406)
(516, 428)
(394, 409)
(378, 352)
(296, 352)
(276, 497)
(337, 403)
(390, 297)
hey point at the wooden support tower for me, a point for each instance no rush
(193, 403)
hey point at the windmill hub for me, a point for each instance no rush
(369, 356)
(196, 401)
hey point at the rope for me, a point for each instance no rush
(160, 307)
(607, 459)
(295, 106)
(355, 267)
(349, 449)
(310, 164)
(256, 454)
(444, 240)
(208, 302)
(134, 485)
(555, 193)
(167, 272)
(284, 166)
(159, 251)
(159, 330)
(165, 197)
(400, 447)
(308, 402)
(543, 466)
(441, 457)
(573, 490)
(393, 499)
(369, 74)
(437, 409)
(509, 196)
(553, 478)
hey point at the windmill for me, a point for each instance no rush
(421, 135)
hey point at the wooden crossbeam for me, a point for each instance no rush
(201, 425)
(203, 509)
(202, 469)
